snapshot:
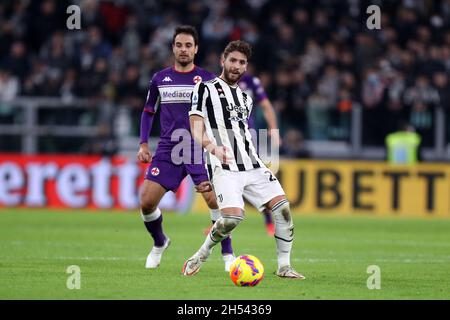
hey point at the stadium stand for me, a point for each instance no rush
(329, 76)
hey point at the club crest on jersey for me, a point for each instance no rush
(221, 94)
(197, 79)
(154, 171)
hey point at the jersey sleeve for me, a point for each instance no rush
(151, 103)
(258, 90)
(198, 100)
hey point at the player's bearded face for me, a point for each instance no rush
(184, 49)
(234, 66)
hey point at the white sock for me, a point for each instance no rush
(284, 232)
(221, 229)
(151, 216)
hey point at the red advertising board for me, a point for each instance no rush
(76, 181)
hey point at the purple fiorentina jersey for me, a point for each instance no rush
(171, 91)
(252, 86)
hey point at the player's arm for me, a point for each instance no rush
(271, 119)
(144, 154)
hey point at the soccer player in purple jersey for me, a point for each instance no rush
(251, 85)
(170, 90)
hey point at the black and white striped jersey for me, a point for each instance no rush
(225, 110)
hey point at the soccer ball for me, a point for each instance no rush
(246, 271)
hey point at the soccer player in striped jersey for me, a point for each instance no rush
(170, 91)
(219, 122)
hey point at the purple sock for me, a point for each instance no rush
(227, 248)
(155, 229)
(267, 216)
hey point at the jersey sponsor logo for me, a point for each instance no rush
(233, 107)
(175, 94)
(154, 171)
(197, 79)
(167, 79)
(236, 119)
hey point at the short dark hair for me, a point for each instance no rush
(240, 46)
(188, 30)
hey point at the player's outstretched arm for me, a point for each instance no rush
(144, 154)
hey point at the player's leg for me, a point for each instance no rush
(227, 248)
(230, 218)
(150, 197)
(265, 191)
(161, 176)
(228, 188)
(284, 236)
(198, 174)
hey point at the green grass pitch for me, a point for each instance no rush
(110, 248)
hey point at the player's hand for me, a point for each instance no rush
(204, 186)
(223, 154)
(144, 154)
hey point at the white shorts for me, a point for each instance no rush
(257, 186)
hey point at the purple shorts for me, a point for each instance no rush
(170, 176)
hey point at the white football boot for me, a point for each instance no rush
(154, 257)
(193, 264)
(289, 272)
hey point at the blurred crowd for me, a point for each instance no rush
(316, 58)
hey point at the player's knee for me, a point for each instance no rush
(282, 209)
(148, 201)
(227, 224)
(147, 204)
